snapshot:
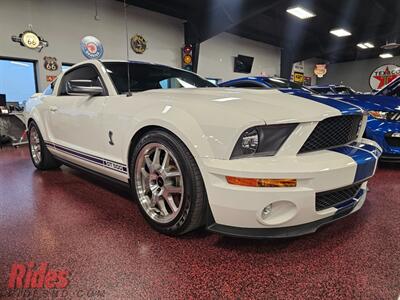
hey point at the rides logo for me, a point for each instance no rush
(29, 276)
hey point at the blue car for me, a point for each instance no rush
(383, 107)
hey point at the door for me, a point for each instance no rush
(75, 121)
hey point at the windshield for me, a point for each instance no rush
(145, 77)
(344, 90)
(390, 89)
(280, 83)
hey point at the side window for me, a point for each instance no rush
(50, 88)
(81, 73)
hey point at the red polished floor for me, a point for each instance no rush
(95, 232)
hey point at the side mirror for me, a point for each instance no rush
(83, 86)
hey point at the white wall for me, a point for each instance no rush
(64, 23)
(216, 59)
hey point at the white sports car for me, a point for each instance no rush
(253, 163)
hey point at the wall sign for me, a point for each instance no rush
(298, 77)
(91, 47)
(50, 63)
(383, 75)
(30, 40)
(138, 44)
(51, 78)
(320, 70)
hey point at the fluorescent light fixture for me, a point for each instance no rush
(300, 12)
(362, 46)
(340, 32)
(386, 55)
(369, 45)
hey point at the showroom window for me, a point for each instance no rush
(66, 66)
(17, 79)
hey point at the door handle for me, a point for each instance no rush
(53, 108)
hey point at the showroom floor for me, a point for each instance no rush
(94, 230)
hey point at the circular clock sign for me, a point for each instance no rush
(383, 75)
(30, 40)
(138, 44)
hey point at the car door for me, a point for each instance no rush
(75, 120)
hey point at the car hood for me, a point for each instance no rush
(372, 102)
(271, 106)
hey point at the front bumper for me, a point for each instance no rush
(291, 231)
(238, 210)
(381, 132)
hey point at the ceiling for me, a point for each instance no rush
(267, 21)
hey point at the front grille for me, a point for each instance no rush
(334, 131)
(393, 116)
(333, 198)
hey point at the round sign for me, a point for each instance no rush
(383, 75)
(91, 47)
(138, 44)
(30, 40)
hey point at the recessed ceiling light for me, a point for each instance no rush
(386, 55)
(369, 45)
(362, 46)
(340, 32)
(300, 12)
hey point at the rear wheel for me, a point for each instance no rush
(41, 156)
(168, 183)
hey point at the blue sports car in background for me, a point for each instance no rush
(333, 89)
(383, 107)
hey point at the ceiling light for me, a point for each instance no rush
(300, 12)
(340, 32)
(386, 55)
(369, 45)
(362, 46)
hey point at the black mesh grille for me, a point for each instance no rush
(393, 116)
(333, 198)
(392, 141)
(334, 131)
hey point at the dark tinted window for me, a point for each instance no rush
(148, 77)
(393, 90)
(247, 84)
(344, 90)
(85, 72)
(324, 91)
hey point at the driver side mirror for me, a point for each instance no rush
(83, 86)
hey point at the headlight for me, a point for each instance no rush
(262, 140)
(381, 115)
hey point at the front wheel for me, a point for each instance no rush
(167, 183)
(41, 156)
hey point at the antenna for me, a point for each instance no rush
(127, 50)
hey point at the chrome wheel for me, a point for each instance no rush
(159, 182)
(34, 142)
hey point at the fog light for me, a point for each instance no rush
(261, 182)
(266, 211)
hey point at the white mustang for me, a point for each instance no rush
(255, 163)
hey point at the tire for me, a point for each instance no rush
(191, 202)
(42, 159)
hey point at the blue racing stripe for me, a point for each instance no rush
(365, 160)
(344, 107)
(109, 164)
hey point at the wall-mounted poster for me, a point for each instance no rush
(91, 47)
(383, 75)
(320, 70)
(307, 80)
(298, 77)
